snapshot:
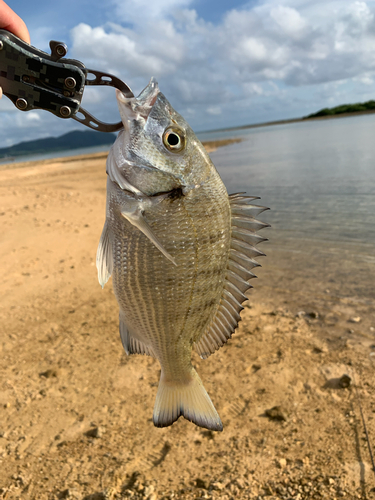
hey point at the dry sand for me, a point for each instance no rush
(76, 412)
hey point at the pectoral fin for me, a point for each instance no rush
(136, 218)
(104, 257)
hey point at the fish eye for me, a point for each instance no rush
(174, 140)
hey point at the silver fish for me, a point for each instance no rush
(179, 249)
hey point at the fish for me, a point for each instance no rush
(179, 249)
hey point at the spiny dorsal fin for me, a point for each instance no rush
(241, 260)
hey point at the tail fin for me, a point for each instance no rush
(189, 400)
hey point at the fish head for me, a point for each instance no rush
(157, 151)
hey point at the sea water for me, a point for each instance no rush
(318, 178)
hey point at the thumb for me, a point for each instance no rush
(13, 23)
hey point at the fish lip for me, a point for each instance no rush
(138, 108)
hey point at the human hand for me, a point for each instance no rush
(11, 22)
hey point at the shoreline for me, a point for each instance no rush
(290, 120)
(210, 146)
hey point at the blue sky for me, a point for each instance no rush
(219, 63)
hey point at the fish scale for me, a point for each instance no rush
(179, 250)
(175, 311)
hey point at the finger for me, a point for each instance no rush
(13, 23)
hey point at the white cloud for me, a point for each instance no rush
(214, 110)
(118, 49)
(268, 42)
(279, 58)
(289, 20)
(32, 116)
(252, 49)
(251, 89)
(365, 79)
(20, 126)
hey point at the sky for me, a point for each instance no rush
(219, 63)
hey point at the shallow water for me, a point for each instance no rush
(318, 178)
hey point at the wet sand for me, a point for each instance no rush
(76, 412)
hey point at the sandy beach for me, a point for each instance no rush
(76, 412)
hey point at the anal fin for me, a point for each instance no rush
(130, 342)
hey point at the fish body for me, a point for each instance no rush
(169, 242)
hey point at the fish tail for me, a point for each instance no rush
(189, 399)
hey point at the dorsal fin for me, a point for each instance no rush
(241, 261)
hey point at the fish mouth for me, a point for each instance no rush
(138, 108)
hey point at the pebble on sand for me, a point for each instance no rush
(70, 494)
(201, 483)
(355, 319)
(276, 413)
(217, 486)
(345, 381)
(49, 373)
(95, 432)
(313, 315)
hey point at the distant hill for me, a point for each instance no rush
(345, 108)
(71, 140)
